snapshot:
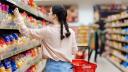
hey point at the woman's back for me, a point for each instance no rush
(56, 48)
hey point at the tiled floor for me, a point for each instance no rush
(104, 65)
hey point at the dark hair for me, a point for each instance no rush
(61, 13)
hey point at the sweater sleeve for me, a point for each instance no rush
(34, 33)
(74, 44)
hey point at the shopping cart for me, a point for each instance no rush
(80, 65)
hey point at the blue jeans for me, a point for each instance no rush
(58, 66)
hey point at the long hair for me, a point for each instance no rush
(61, 13)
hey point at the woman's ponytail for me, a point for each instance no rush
(61, 13)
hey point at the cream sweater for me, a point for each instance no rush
(53, 46)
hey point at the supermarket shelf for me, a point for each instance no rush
(122, 18)
(120, 56)
(30, 63)
(114, 26)
(124, 41)
(83, 44)
(117, 65)
(122, 33)
(121, 49)
(36, 13)
(9, 28)
(41, 67)
(26, 8)
(16, 50)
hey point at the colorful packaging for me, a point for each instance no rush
(7, 65)
(13, 66)
(7, 39)
(15, 36)
(2, 68)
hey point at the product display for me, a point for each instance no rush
(13, 44)
(8, 20)
(18, 62)
(117, 17)
(17, 52)
(31, 22)
(81, 34)
(6, 17)
(27, 5)
(37, 67)
(117, 39)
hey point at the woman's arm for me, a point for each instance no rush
(35, 33)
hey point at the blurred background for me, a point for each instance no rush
(101, 28)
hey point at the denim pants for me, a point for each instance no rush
(58, 66)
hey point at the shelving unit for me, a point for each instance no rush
(30, 63)
(17, 48)
(34, 12)
(117, 65)
(30, 11)
(26, 8)
(116, 26)
(116, 32)
(124, 41)
(121, 15)
(117, 48)
(9, 28)
(81, 35)
(117, 35)
(108, 21)
(120, 56)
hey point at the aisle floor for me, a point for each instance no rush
(104, 65)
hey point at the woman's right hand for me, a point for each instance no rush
(19, 19)
(16, 12)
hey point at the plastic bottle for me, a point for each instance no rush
(19, 63)
(33, 52)
(7, 40)
(7, 65)
(13, 66)
(16, 37)
(12, 39)
(1, 12)
(3, 46)
(125, 64)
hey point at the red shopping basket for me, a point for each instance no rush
(80, 65)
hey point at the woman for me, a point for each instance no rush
(58, 41)
(94, 41)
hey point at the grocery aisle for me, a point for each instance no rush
(104, 65)
(19, 53)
